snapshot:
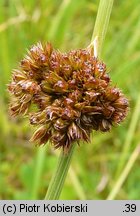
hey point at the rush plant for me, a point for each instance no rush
(67, 95)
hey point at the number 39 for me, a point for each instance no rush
(130, 207)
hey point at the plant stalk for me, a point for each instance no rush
(60, 174)
(125, 173)
(101, 24)
(99, 32)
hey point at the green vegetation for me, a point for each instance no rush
(109, 166)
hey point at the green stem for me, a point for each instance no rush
(101, 24)
(129, 137)
(99, 32)
(58, 179)
(125, 173)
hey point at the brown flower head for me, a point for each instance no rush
(72, 93)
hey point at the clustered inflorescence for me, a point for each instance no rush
(70, 94)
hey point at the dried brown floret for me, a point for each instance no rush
(72, 92)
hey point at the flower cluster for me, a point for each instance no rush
(70, 94)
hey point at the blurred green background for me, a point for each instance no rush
(112, 158)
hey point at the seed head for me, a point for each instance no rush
(72, 93)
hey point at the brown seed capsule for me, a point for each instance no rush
(39, 133)
(72, 93)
